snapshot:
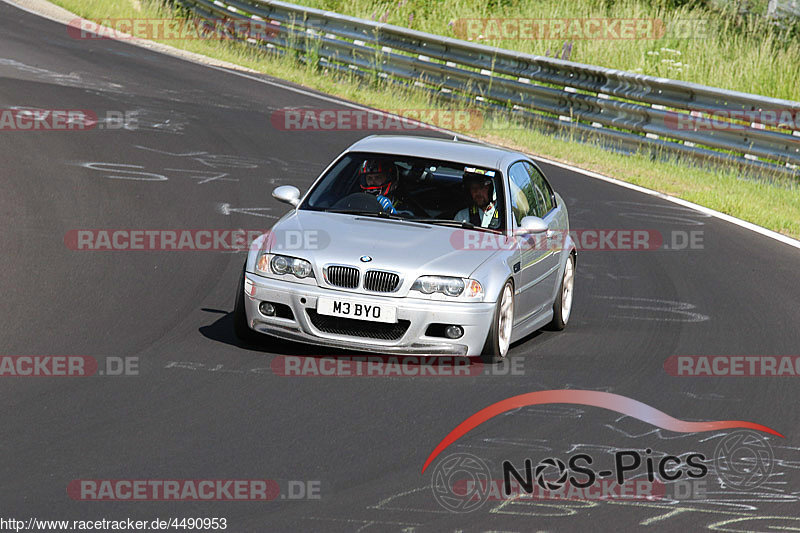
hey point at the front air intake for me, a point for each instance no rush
(380, 281)
(342, 276)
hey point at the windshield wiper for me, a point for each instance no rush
(446, 222)
(384, 214)
(379, 214)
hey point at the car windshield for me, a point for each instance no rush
(412, 188)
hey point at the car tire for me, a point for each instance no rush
(562, 308)
(240, 327)
(499, 338)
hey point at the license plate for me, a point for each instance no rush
(357, 310)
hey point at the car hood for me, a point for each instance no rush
(409, 248)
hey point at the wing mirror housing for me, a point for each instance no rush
(288, 194)
(533, 225)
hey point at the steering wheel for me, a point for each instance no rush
(359, 201)
(412, 206)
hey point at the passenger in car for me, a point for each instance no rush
(484, 211)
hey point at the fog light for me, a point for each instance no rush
(453, 332)
(267, 309)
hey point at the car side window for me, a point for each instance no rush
(517, 176)
(524, 199)
(544, 192)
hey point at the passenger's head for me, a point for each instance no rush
(480, 188)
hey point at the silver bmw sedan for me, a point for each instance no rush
(413, 245)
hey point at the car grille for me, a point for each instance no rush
(342, 276)
(358, 328)
(379, 281)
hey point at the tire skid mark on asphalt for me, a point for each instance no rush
(226, 209)
(679, 215)
(214, 176)
(156, 120)
(710, 396)
(609, 275)
(285, 168)
(492, 443)
(214, 161)
(72, 79)
(408, 527)
(553, 411)
(656, 305)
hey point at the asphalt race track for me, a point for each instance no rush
(204, 155)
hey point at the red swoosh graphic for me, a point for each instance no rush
(606, 400)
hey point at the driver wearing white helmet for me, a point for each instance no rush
(484, 211)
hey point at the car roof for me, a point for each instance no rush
(468, 153)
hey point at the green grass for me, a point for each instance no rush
(772, 205)
(775, 204)
(743, 54)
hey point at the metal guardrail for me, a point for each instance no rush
(781, 9)
(621, 109)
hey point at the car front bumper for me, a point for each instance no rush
(474, 318)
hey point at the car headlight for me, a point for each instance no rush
(449, 286)
(281, 265)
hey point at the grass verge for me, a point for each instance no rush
(774, 205)
(701, 41)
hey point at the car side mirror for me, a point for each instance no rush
(533, 225)
(288, 194)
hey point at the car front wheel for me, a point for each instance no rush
(499, 338)
(563, 304)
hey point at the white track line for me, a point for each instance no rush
(180, 54)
